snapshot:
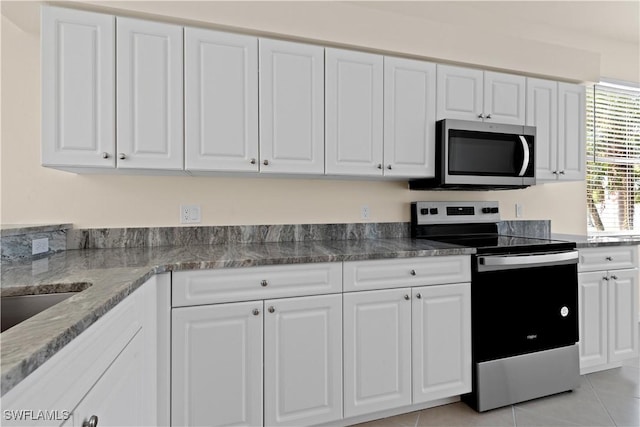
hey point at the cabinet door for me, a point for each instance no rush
(441, 341)
(592, 308)
(117, 398)
(623, 315)
(303, 360)
(354, 109)
(460, 93)
(216, 365)
(291, 107)
(504, 98)
(409, 117)
(571, 132)
(377, 350)
(78, 88)
(542, 112)
(149, 95)
(221, 101)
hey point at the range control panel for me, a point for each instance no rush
(454, 212)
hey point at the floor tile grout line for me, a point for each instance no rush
(595, 391)
(549, 417)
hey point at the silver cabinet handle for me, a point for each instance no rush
(418, 296)
(407, 297)
(92, 422)
(561, 172)
(105, 155)
(412, 272)
(255, 311)
(609, 258)
(266, 163)
(481, 116)
(121, 156)
(271, 309)
(252, 161)
(389, 167)
(264, 283)
(614, 277)
(488, 116)
(605, 278)
(555, 172)
(379, 166)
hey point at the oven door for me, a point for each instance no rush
(489, 154)
(523, 303)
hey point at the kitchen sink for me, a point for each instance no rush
(16, 309)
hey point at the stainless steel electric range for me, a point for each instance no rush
(524, 304)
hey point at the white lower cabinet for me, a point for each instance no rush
(216, 365)
(608, 307)
(218, 354)
(112, 373)
(406, 346)
(441, 341)
(377, 350)
(303, 360)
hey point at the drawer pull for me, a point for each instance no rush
(413, 272)
(407, 297)
(255, 311)
(609, 258)
(418, 296)
(614, 277)
(271, 309)
(605, 278)
(264, 283)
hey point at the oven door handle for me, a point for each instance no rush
(504, 262)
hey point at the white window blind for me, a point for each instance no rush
(613, 160)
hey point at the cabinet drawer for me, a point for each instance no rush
(608, 258)
(399, 273)
(243, 284)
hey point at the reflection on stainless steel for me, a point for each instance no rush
(17, 309)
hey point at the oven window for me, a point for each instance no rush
(487, 154)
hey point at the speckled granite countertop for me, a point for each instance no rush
(109, 275)
(583, 241)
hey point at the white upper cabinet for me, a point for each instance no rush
(78, 88)
(470, 94)
(221, 101)
(504, 98)
(557, 110)
(571, 132)
(291, 107)
(149, 95)
(354, 113)
(460, 93)
(542, 112)
(409, 117)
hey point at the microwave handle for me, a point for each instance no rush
(525, 159)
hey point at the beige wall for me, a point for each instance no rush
(33, 194)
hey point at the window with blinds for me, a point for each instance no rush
(613, 160)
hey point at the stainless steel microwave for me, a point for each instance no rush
(481, 156)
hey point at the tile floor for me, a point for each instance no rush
(606, 398)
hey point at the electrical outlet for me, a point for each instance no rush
(519, 210)
(39, 246)
(365, 212)
(190, 214)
